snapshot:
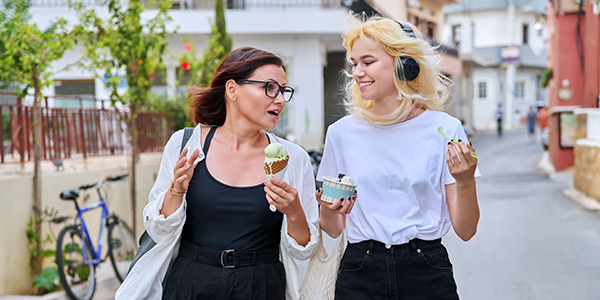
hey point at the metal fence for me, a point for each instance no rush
(68, 131)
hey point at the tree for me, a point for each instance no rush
(219, 44)
(125, 45)
(27, 55)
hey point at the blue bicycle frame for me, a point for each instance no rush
(84, 231)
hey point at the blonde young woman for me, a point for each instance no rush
(414, 184)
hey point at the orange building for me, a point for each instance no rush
(574, 55)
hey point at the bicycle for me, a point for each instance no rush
(76, 256)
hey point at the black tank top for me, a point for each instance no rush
(227, 217)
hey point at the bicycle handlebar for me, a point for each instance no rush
(116, 178)
(74, 193)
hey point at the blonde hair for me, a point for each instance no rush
(428, 91)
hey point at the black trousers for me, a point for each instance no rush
(416, 270)
(192, 277)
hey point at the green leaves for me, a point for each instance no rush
(29, 50)
(48, 279)
(126, 45)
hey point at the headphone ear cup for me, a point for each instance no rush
(407, 68)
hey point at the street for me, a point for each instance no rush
(533, 242)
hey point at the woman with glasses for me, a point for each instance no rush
(212, 201)
(414, 182)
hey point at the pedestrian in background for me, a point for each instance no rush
(531, 121)
(212, 201)
(499, 117)
(414, 184)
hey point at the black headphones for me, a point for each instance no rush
(407, 67)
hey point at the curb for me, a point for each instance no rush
(585, 201)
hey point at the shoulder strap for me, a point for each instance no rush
(187, 133)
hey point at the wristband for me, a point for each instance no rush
(174, 192)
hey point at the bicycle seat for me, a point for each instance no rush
(69, 194)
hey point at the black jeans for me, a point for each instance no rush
(416, 270)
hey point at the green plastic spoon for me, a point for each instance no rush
(442, 133)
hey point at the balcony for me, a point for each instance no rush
(209, 4)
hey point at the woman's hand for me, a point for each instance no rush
(184, 169)
(283, 196)
(460, 162)
(339, 206)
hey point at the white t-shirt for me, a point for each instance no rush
(401, 173)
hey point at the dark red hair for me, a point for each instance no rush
(207, 104)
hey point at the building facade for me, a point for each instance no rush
(575, 84)
(502, 45)
(306, 33)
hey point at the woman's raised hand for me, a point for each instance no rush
(283, 196)
(460, 162)
(339, 206)
(184, 169)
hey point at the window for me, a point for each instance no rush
(85, 88)
(482, 90)
(520, 89)
(431, 30)
(525, 34)
(456, 31)
(159, 83)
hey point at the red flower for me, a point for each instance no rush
(185, 65)
(188, 46)
(151, 75)
(133, 68)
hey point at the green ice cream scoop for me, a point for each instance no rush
(274, 152)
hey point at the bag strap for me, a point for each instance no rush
(187, 133)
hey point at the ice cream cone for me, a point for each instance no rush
(277, 168)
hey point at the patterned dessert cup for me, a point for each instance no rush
(277, 168)
(333, 189)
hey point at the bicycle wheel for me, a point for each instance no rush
(122, 247)
(77, 276)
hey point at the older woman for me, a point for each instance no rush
(213, 199)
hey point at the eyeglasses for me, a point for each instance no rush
(272, 89)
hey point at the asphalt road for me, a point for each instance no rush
(532, 241)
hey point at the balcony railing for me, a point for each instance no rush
(210, 4)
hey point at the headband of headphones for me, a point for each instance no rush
(407, 69)
(407, 29)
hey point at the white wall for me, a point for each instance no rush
(17, 199)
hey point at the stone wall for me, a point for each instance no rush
(587, 168)
(587, 152)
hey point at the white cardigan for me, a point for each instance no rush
(144, 281)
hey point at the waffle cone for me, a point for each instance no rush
(276, 166)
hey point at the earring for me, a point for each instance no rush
(234, 98)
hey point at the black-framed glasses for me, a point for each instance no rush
(272, 88)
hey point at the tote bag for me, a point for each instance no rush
(321, 273)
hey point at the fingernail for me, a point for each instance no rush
(449, 143)
(459, 140)
(471, 144)
(342, 199)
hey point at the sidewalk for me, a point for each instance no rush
(566, 177)
(106, 286)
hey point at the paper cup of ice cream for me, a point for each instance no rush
(334, 188)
